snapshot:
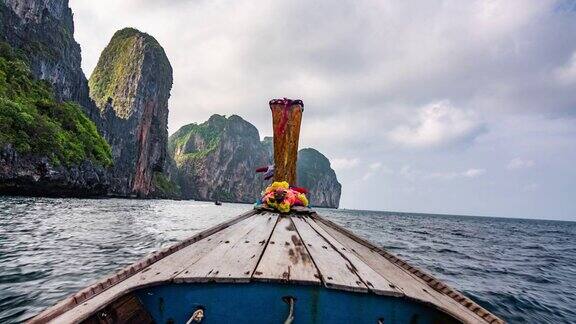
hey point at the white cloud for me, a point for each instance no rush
(344, 163)
(518, 163)
(567, 73)
(473, 173)
(413, 174)
(469, 174)
(375, 166)
(408, 172)
(438, 124)
(495, 18)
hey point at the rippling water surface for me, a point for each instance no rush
(522, 270)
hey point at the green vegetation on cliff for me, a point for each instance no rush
(165, 188)
(206, 135)
(118, 68)
(34, 123)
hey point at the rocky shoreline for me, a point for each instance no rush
(31, 175)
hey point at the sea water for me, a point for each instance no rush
(522, 270)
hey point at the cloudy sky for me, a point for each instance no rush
(459, 107)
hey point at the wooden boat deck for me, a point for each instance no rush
(264, 246)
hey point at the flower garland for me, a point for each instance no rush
(280, 196)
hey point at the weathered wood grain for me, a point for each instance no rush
(335, 271)
(373, 280)
(286, 140)
(409, 282)
(125, 310)
(286, 258)
(235, 257)
(170, 266)
(301, 210)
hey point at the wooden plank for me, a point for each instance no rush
(301, 210)
(412, 286)
(125, 310)
(97, 288)
(163, 270)
(235, 257)
(335, 271)
(170, 266)
(373, 280)
(285, 258)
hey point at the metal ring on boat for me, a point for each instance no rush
(290, 301)
(197, 316)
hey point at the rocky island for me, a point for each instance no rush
(216, 160)
(64, 135)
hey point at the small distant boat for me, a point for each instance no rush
(218, 203)
(269, 267)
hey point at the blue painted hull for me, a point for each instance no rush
(263, 303)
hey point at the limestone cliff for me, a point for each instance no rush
(216, 160)
(315, 174)
(44, 31)
(131, 86)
